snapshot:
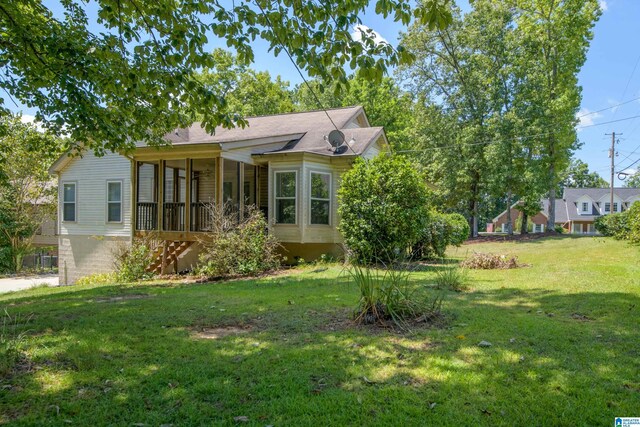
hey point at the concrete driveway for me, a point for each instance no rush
(11, 284)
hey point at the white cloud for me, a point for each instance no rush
(586, 117)
(28, 118)
(356, 35)
(603, 5)
(614, 104)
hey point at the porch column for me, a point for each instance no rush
(219, 179)
(187, 196)
(134, 197)
(160, 195)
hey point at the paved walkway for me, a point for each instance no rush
(11, 284)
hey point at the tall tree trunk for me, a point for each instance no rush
(523, 226)
(551, 220)
(509, 221)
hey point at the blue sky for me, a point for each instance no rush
(611, 75)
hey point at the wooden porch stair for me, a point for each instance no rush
(169, 251)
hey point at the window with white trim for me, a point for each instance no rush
(538, 228)
(607, 207)
(320, 198)
(585, 206)
(615, 206)
(285, 195)
(114, 201)
(69, 202)
(577, 228)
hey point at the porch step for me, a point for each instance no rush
(173, 251)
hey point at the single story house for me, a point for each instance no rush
(288, 165)
(577, 210)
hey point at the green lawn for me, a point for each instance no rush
(565, 334)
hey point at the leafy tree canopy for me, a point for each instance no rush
(385, 103)
(578, 176)
(131, 75)
(248, 92)
(27, 195)
(633, 181)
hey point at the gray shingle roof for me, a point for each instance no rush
(312, 125)
(567, 209)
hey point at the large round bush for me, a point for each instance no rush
(383, 204)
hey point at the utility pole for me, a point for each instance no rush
(612, 154)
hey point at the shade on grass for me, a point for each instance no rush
(564, 336)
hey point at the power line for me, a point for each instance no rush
(607, 108)
(624, 92)
(624, 169)
(266, 17)
(610, 121)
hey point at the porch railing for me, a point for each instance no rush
(147, 216)
(174, 216)
(202, 216)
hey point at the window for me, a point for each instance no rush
(585, 206)
(615, 206)
(69, 202)
(607, 207)
(114, 201)
(320, 196)
(285, 197)
(538, 228)
(577, 228)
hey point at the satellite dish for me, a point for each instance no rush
(336, 139)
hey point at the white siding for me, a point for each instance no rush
(91, 173)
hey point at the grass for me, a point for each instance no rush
(564, 336)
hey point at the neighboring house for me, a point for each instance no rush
(45, 243)
(283, 164)
(577, 210)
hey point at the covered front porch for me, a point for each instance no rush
(177, 198)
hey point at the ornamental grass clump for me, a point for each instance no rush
(453, 278)
(387, 298)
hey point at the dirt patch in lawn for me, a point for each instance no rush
(581, 317)
(118, 298)
(220, 332)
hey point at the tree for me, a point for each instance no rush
(501, 81)
(633, 181)
(247, 92)
(578, 176)
(136, 76)
(555, 35)
(385, 103)
(383, 206)
(27, 195)
(451, 77)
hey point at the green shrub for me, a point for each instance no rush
(441, 230)
(383, 206)
(386, 296)
(615, 225)
(559, 229)
(97, 279)
(633, 222)
(131, 261)
(238, 247)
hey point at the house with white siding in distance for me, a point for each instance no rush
(577, 209)
(288, 165)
